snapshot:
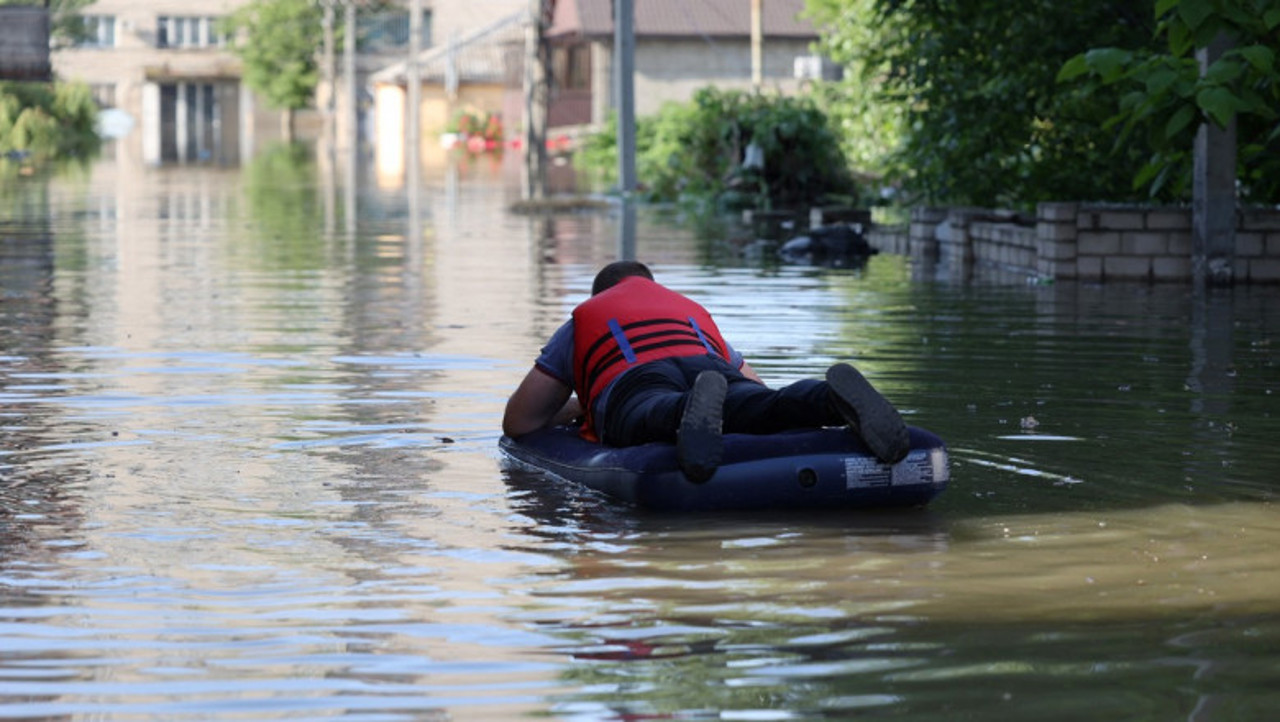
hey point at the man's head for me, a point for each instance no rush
(609, 276)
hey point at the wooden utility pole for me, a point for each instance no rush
(413, 84)
(349, 70)
(1213, 202)
(330, 71)
(757, 44)
(352, 134)
(534, 186)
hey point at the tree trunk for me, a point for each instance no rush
(286, 125)
(1213, 204)
(535, 108)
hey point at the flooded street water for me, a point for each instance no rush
(249, 470)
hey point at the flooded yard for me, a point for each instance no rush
(249, 470)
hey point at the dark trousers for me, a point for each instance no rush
(646, 402)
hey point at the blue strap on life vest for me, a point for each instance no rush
(702, 337)
(624, 345)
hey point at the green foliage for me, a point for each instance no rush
(971, 86)
(868, 128)
(695, 150)
(65, 23)
(278, 42)
(47, 120)
(1164, 97)
(75, 109)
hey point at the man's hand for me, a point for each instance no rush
(750, 373)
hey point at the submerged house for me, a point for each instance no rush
(476, 75)
(680, 46)
(166, 68)
(169, 72)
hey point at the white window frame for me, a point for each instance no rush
(188, 31)
(100, 31)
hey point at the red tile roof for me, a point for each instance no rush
(682, 18)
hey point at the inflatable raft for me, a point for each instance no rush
(816, 468)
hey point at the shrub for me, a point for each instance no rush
(44, 121)
(696, 151)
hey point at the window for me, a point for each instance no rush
(389, 31)
(578, 74)
(99, 31)
(187, 31)
(571, 67)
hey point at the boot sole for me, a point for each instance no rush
(875, 419)
(700, 442)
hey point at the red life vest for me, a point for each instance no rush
(635, 322)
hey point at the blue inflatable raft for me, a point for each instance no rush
(816, 468)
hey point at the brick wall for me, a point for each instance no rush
(1083, 241)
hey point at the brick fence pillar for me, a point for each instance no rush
(1056, 231)
(922, 238)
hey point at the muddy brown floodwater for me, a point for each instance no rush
(249, 470)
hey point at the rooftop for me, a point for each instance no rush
(682, 18)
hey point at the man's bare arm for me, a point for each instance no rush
(540, 401)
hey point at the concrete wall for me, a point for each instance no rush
(671, 70)
(1088, 242)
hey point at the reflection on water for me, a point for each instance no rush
(248, 469)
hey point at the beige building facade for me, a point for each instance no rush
(174, 92)
(167, 74)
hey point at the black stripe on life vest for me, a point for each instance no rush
(641, 343)
(616, 357)
(607, 337)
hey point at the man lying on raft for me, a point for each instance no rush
(648, 364)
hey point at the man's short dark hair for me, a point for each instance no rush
(609, 276)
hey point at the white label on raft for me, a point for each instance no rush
(861, 472)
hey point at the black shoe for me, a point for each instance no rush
(870, 414)
(699, 445)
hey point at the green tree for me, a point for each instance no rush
(1165, 97)
(278, 41)
(984, 120)
(868, 128)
